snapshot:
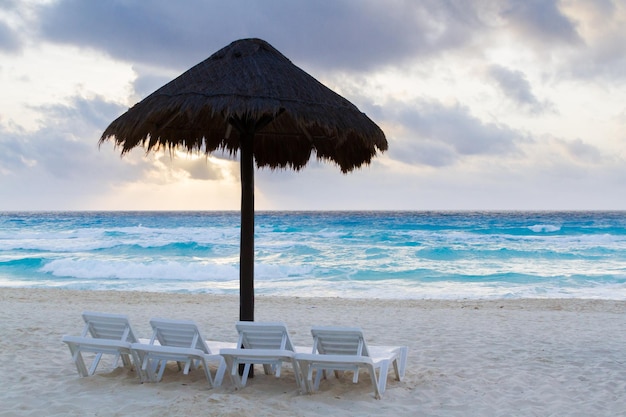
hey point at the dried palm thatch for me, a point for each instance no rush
(249, 98)
(250, 85)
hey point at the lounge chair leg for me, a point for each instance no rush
(376, 389)
(187, 367)
(95, 363)
(79, 361)
(162, 366)
(126, 361)
(305, 370)
(355, 377)
(219, 375)
(207, 373)
(244, 377)
(396, 370)
(116, 360)
(318, 378)
(381, 384)
(404, 353)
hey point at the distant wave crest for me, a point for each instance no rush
(544, 228)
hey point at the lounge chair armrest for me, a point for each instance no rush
(335, 359)
(215, 345)
(171, 350)
(90, 341)
(258, 353)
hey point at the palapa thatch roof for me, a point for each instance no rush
(250, 82)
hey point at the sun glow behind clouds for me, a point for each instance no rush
(181, 195)
(169, 183)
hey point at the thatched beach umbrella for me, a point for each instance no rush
(249, 98)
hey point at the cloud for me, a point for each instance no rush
(155, 32)
(11, 26)
(9, 40)
(442, 135)
(349, 34)
(574, 39)
(516, 87)
(584, 153)
(60, 164)
(148, 80)
(603, 55)
(366, 35)
(12, 153)
(541, 21)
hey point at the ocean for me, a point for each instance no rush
(390, 255)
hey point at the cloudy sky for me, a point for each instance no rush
(486, 104)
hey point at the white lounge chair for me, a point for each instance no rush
(180, 341)
(344, 349)
(103, 334)
(260, 343)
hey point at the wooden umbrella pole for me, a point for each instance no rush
(246, 254)
(247, 126)
(246, 250)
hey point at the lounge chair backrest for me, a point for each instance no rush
(177, 333)
(108, 326)
(339, 341)
(254, 335)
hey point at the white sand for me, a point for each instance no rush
(466, 358)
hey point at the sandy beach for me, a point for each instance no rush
(466, 357)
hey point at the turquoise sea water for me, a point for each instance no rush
(450, 255)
